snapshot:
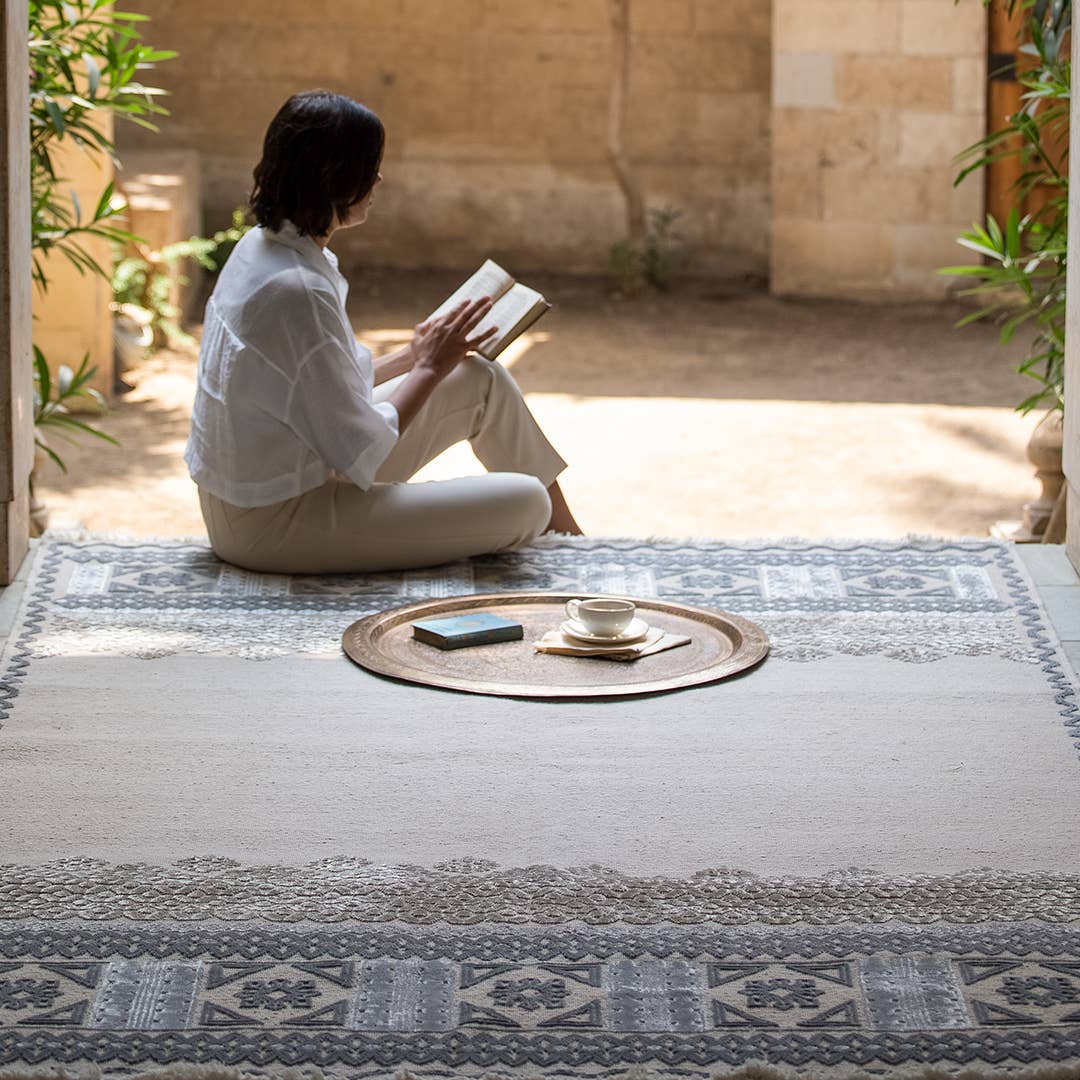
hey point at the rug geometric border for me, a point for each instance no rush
(491, 942)
(588, 995)
(562, 998)
(722, 575)
(576, 1050)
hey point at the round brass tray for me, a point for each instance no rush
(721, 645)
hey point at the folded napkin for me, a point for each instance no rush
(656, 640)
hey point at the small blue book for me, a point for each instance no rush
(479, 628)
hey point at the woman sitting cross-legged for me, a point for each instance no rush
(300, 445)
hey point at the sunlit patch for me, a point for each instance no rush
(159, 180)
(517, 349)
(387, 337)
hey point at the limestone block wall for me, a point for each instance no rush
(72, 318)
(871, 101)
(496, 115)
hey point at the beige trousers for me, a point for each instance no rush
(337, 528)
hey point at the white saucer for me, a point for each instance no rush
(636, 631)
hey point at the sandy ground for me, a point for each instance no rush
(711, 411)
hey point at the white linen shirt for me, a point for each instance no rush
(284, 391)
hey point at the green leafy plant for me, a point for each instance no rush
(1026, 281)
(636, 268)
(86, 63)
(52, 404)
(146, 279)
(224, 240)
(660, 243)
(1023, 275)
(626, 265)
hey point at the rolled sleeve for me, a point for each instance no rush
(330, 411)
(362, 471)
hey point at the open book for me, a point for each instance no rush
(516, 307)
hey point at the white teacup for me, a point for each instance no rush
(607, 618)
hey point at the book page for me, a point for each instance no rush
(512, 313)
(490, 280)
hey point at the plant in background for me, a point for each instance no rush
(1024, 275)
(86, 61)
(626, 264)
(643, 259)
(635, 268)
(52, 404)
(225, 240)
(660, 242)
(146, 279)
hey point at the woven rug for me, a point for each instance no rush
(227, 848)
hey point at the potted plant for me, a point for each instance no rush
(52, 409)
(1022, 275)
(145, 283)
(86, 60)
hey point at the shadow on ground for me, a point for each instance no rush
(936, 505)
(703, 341)
(706, 412)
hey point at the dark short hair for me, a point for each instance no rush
(321, 154)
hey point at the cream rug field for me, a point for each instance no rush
(226, 845)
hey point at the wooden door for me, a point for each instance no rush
(1003, 98)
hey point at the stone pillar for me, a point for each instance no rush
(163, 193)
(16, 419)
(871, 101)
(1071, 448)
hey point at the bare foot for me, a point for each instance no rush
(562, 521)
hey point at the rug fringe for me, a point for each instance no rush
(90, 1071)
(555, 539)
(79, 535)
(749, 1071)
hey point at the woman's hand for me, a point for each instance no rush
(439, 345)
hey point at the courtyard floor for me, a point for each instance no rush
(710, 411)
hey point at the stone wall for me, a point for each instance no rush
(496, 114)
(872, 99)
(72, 318)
